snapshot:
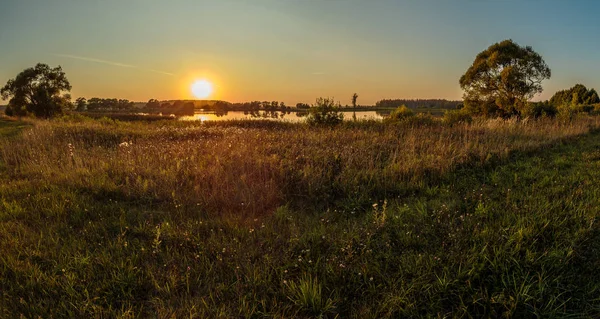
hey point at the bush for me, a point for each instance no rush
(400, 113)
(325, 112)
(583, 108)
(485, 108)
(419, 120)
(452, 117)
(539, 109)
(568, 112)
(9, 111)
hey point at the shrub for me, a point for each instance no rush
(400, 113)
(325, 112)
(567, 112)
(452, 117)
(485, 109)
(583, 108)
(539, 109)
(420, 120)
(9, 111)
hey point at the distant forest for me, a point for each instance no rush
(419, 103)
(188, 106)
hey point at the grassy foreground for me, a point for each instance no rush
(260, 219)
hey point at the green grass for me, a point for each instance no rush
(10, 128)
(507, 229)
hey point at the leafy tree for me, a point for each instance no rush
(505, 74)
(575, 96)
(40, 90)
(153, 104)
(81, 104)
(354, 98)
(325, 112)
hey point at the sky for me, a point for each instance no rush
(290, 50)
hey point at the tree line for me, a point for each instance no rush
(418, 103)
(100, 104)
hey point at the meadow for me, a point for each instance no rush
(103, 218)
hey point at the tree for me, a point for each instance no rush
(325, 112)
(354, 98)
(575, 96)
(507, 75)
(81, 104)
(153, 104)
(40, 90)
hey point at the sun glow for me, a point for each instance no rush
(202, 89)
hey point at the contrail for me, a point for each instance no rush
(111, 63)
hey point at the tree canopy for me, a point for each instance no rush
(503, 78)
(40, 91)
(577, 95)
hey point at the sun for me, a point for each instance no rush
(202, 89)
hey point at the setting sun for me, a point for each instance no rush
(202, 89)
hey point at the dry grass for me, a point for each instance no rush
(250, 171)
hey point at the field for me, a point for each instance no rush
(251, 219)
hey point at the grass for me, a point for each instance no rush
(102, 218)
(10, 127)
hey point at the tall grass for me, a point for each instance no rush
(102, 218)
(250, 171)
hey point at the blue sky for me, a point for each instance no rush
(290, 50)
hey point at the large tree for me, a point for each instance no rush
(503, 78)
(41, 91)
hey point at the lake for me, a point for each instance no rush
(285, 116)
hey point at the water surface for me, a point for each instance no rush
(276, 115)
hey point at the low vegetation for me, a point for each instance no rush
(325, 111)
(492, 218)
